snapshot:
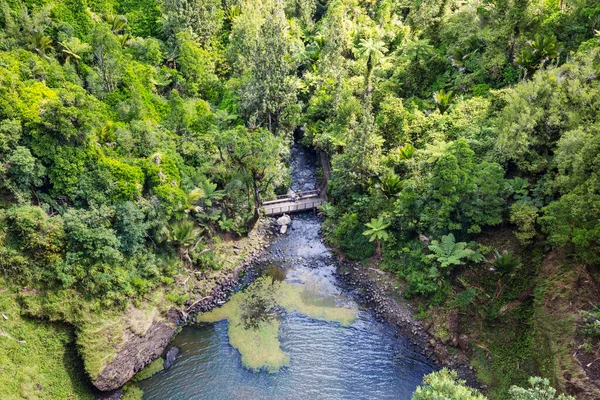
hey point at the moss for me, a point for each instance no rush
(38, 358)
(153, 368)
(257, 339)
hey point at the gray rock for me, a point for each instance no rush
(171, 356)
(441, 352)
(284, 220)
(463, 342)
(283, 229)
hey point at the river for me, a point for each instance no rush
(365, 360)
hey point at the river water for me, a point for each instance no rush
(366, 360)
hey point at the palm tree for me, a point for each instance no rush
(183, 235)
(390, 184)
(418, 50)
(372, 51)
(40, 43)
(443, 100)
(73, 49)
(406, 152)
(377, 232)
(504, 264)
(118, 23)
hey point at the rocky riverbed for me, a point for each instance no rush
(381, 290)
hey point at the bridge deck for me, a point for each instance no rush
(292, 206)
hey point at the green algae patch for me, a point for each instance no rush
(304, 300)
(253, 326)
(253, 317)
(153, 368)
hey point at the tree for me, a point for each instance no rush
(371, 51)
(445, 385)
(183, 235)
(107, 56)
(418, 50)
(202, 19)
(73, 49)
(448, 253)
(377, 233)
(268, 93)
(23, 173)
(443, 100)
(256, 154)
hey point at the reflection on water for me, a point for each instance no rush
(325, 360)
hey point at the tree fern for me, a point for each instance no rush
(447, 252)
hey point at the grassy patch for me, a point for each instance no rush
(38, 358)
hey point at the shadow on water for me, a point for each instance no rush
(357, 359)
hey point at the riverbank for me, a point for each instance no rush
(382, 291)
(116, 344)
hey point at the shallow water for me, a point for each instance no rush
(366, 360)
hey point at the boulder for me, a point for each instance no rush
(171, 356)
(441, 353)
(283, 229)
(284, 220)
(463, 342)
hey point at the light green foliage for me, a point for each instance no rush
(443, 100)
(445, 384)
(131, 392)
(447, 252)
(201, 19)
(524, 215)
(539, 389)
(377, 232)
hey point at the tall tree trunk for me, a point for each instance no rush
(256, 198)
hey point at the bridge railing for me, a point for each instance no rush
(286, 198)
(293, 207)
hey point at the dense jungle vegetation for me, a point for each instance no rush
(135, 134)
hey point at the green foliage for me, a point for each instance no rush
(443, 100)
(377, 230)
(348, 236)
(448, 253)
(539, 389)
(505, 263)
(524, 216)
(445, 384)
(591, 323)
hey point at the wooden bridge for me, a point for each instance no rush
(307, 200)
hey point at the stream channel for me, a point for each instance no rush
(325, 354)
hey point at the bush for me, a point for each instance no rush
(524, 215)
(445, 385)
(348, 236)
